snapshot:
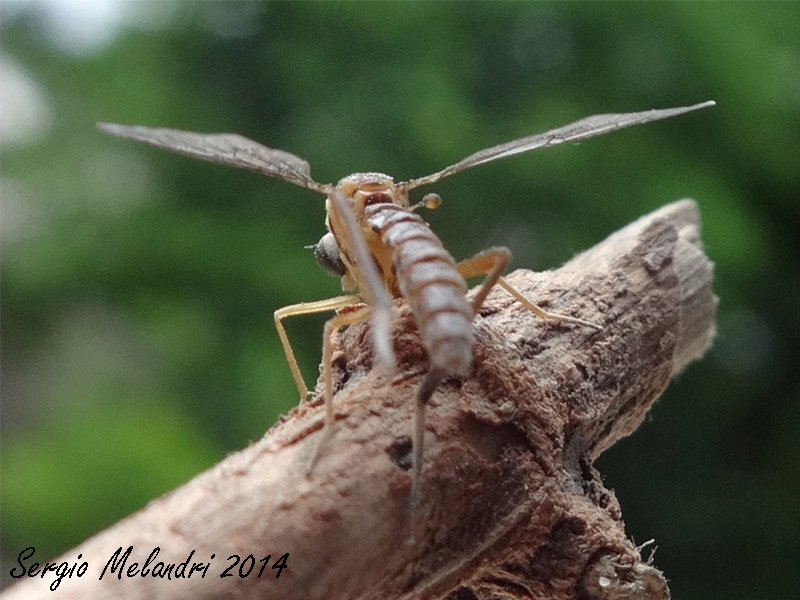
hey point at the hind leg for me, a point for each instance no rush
(492, 262)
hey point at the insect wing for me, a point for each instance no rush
(223, 148)
(574, 132)
(373, 288)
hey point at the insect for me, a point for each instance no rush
(383, 250)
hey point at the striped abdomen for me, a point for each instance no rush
(428, 279)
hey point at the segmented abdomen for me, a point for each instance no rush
(429, 281)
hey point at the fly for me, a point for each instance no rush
(382, 249)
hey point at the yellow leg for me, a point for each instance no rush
(540, 312)
(331, 326)
(305, 308)
(492, 262)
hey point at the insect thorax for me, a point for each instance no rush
(372, 188)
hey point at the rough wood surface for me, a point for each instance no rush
(511, 504)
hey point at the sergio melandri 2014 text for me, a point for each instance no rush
(118, 565)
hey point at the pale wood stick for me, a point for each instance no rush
(510, 506)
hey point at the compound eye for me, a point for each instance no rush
(328, 256)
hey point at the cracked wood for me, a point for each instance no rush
(511, 504)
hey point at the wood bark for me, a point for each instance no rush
(511, 504)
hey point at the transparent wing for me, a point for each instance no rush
(574, 132)
(373, 288)
(224, 148)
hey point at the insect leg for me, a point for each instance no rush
(305, 308)
(426, 389)
(492, 262)
(540, 312)
(362, 313)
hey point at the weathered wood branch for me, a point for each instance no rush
(511, 504)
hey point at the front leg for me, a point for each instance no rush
(305, 308)
(360, 314)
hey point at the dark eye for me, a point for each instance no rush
(328, 256)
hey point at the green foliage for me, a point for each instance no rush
(138, 287)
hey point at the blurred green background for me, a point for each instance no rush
(138, 287)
